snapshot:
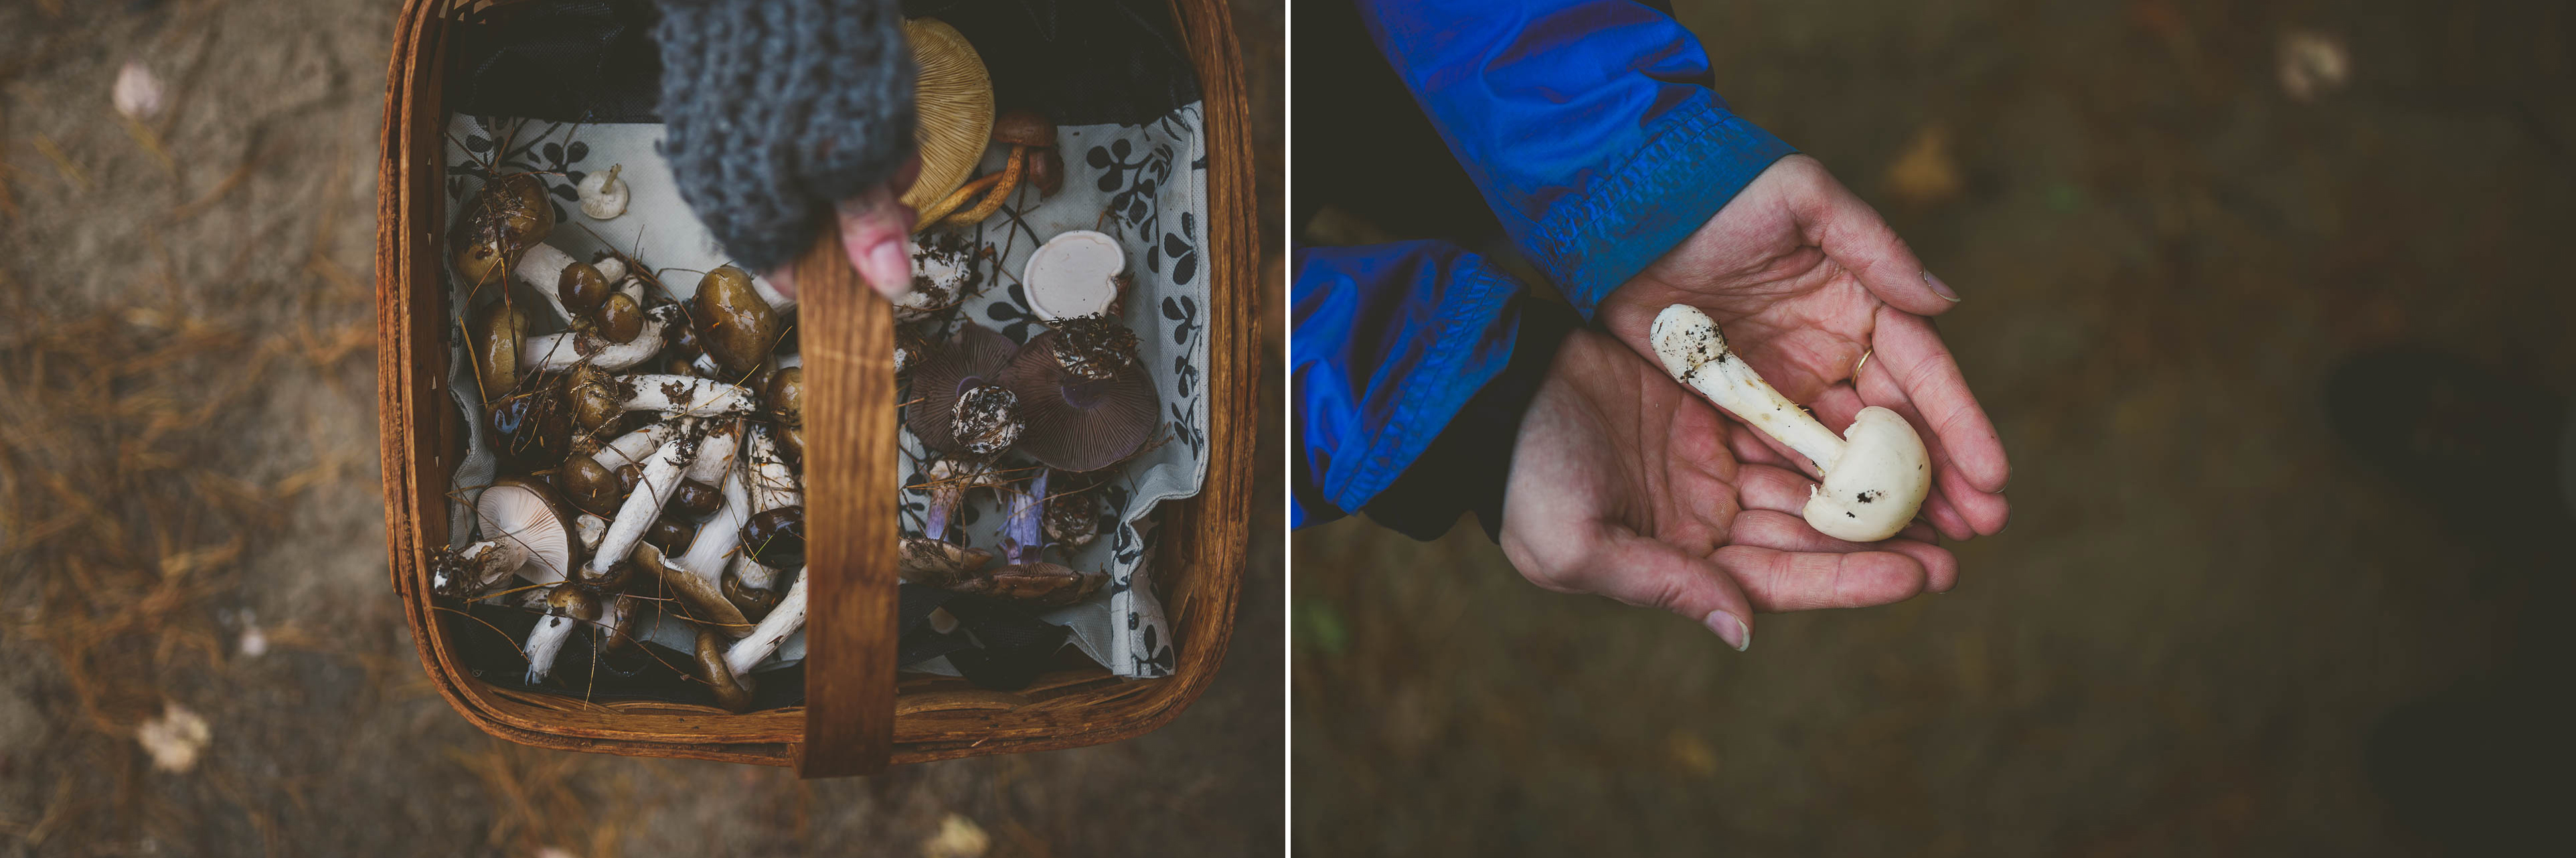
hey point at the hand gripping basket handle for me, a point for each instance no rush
(852, 474)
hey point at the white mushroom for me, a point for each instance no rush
(773, 630)
(777, 300)
(1077, 273)
(715, 455)
(718, 538)
(643, 505)
(523, 531)
(1875, 476)
(568, 607)
(603, 195)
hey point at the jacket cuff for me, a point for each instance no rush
(1691, 167)
(1468, 466)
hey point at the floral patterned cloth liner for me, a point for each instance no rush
(1144, 185)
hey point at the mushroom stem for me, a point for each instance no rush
(1874, 476)
(939, 210)
(632, 447)
(642, 506)
(684, 394)
(772, 484)
(721, 535)
(541, 266)
(773, 630)
(545, 642)
(1024, 541)
(700, 595)
(715, 454)
(1695, 353)
(1001, 191)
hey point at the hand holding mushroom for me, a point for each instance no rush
(1621, 485)
(1828, 304)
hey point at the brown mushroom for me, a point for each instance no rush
(776, 538)
(730, 693)
(619, 319)
(735, 326)
(694, 500)
(1042, 583)
(1077, 422)
(670, 535)
(532, 431)
(590, 486)
(498, 333)
(785, 397)
(582, 288)
(505, 218)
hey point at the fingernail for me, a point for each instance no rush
(1939, 287)
(889, 261)
(1730, 629)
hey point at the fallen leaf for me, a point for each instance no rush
(1925, 173)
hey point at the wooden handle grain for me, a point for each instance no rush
(852, 474)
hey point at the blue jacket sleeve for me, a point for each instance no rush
(1409, 367)
(1580, 121)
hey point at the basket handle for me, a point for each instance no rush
(851, 479)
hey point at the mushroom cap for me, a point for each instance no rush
(499, 332)
(736, 326)
(1023, 127)
(776, 538)
(977, 355)
(524, 512)
(1072, 518)
(719, 678)
(939, 562)
(590, 486)
(532, 431)
(1077, 273)
(1877, 484)
(1076, 424)
(954, 102)
(1041, 583)
(1094, 347)
(944, 269)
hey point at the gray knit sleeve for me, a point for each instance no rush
(774, 109)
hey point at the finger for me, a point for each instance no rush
(1752, 447)
(1909, 351)
(1801, 581)
(1651, 573)
(1945, 516)
(1963, 510)
(1772, 488)
(876, 229)
(1789, 532)
(1856, 238)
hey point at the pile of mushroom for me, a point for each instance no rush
(645, 445)
(649, 445)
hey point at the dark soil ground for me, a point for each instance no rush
(188, 470)
(2205, 605)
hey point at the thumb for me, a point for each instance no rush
(1857, 238)
(1651, 573)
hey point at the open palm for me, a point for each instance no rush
(1622, 485)
(1806, 280)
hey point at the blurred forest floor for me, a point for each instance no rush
(2169, 220)
(191, 519)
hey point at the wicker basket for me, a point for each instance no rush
(859, 715)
